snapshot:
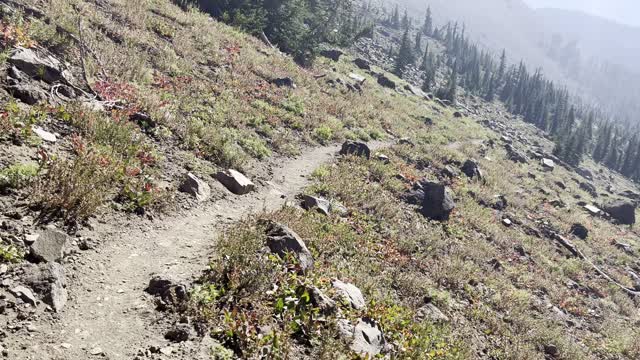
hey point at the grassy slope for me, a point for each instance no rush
(207, 87)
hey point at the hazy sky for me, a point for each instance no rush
(622, 11)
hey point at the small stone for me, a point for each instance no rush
(96, 351)
(29, 239)
(166, 350)
(197, 188)
(507, 222)
(282, 240)
(548, 164)
(49, 247)
(179, 333)
(31, 328)
(44, 135)
(356, 149)
(320, 204)
(25, 294)
(65, 346)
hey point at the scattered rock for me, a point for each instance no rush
(284, 82)
(548, 164)
(457, 114)
(432, 314)
(49, 247)
(96, 351)
(624, 247)
(499, 203)
(437, 201)
(406, 141)
(44, 135)
(515, 155)
(179, 333)
(282, 240)
(332, 54)
(384, 158)
(551, 351)
(580, 231)
(561, 185)
(350, 294)
(362, 64)
(322, 301)
(322, 205)
(386, 82)
(507, 222)
(29, 94)
(355, 148)
(25, 294)
(49, 281)
(585, 173)
(236, 182)
(449, 172)
(622, 211)
(593, 210)
(471, 168)
(167, 350)
(368, 338)
(47, 68)
(358, 78)
(192, 185)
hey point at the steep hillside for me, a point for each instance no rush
(171, 188)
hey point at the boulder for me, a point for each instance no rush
(457, 114)
(471, 168)
(284, 82)
(437, 201)
(320, 204)
(432, 314)
(368, 338)
(449, 171)
(589, 188)
(386, 82)
(179, 333)
(515, 155)
(350, 294)
(548, 164)
(49, 247)
(169, 290)
(199, 189)
(320, 300)
(282, 240)
(623, 212)
(333, 54)
(362, 64)
(585, 173)
(358, 78)
(235, 182)
(355, 148)
(29, 94)
(48, 281)
(45, 68)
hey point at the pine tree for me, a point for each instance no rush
(418, 43)
(405, 55)
(395, 18)
(502, 67)
(628, 165)
(427, 27)
(406, 22)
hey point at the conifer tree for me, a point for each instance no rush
(418, 43)
(427, 27)
(405, 55)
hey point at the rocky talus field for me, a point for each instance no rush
(171, 188)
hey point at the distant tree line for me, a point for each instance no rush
(297, 27)
(576, 128)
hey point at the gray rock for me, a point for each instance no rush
(323, 302)
(44, 135)
(457, 114)
(580, 231)
(515, 155)
(169, 290)
(235, 182)
(384, 158)
(48, 281)
(358, 78)
(622, 211)
(282, 240)
(350, 294)
(25, 294)
(593, 210)
(432, 314)
(471, 168)
(589, 188)
(548, 164)
(437, 201)
(199, 189)
(44, 68)
(29, 94)
(49, 247)
(179, 333)
(355, 148)
(320, 204)
(368, 338)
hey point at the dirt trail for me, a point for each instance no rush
(108, 310)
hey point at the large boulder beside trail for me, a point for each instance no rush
(623, 212)
(195, 187)
(49, 282)
(365, 338)
(355, 148)
(48, 247)
(235, 182)
(282, 241)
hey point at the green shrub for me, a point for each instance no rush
(18, 176)
(324, 134)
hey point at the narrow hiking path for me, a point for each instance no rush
(108, 315)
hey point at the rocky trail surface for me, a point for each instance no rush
(108, 314)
